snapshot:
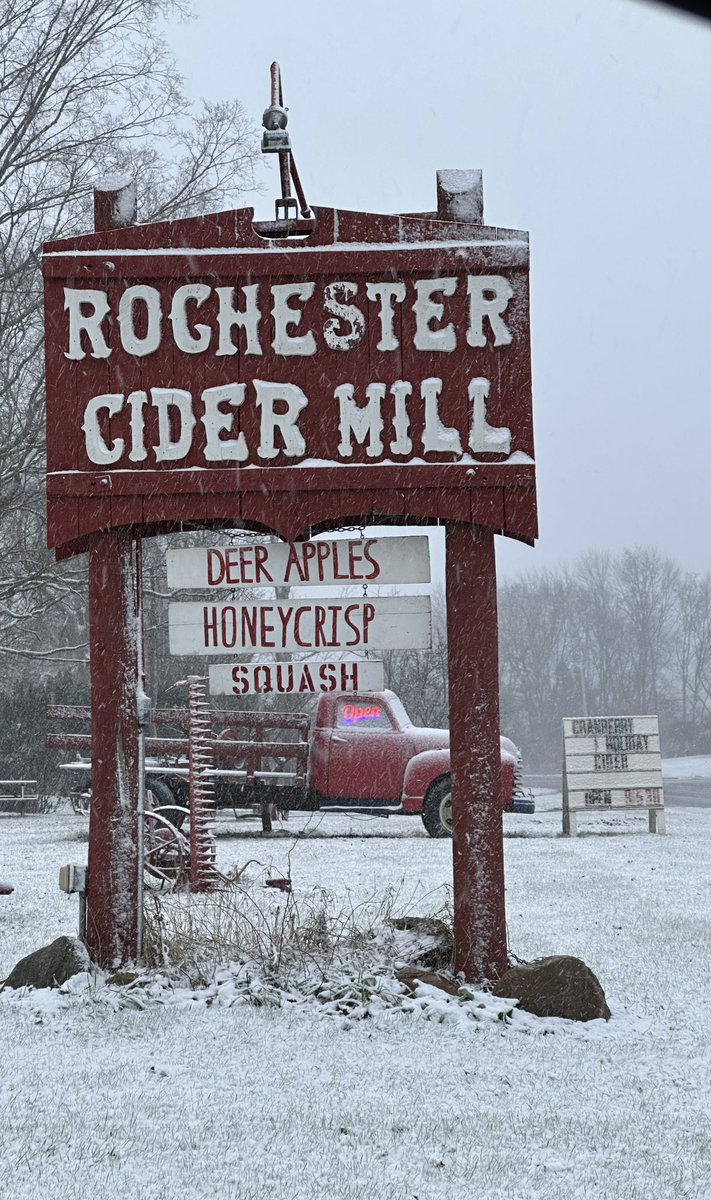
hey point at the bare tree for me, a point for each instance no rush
(692, 643)
(87, 88)
(603, 650)
(646, 589)
(539, 660)
(612, 634)
(420, 677)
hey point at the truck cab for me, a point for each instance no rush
(367, 754)
(361, 746)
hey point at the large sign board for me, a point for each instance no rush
(612, 763)
(198, 372)
(327, 561)
(294, 626)
(375, 370)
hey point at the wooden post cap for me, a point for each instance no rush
(460, 196)
(114, 202)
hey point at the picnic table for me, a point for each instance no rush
(18, 796)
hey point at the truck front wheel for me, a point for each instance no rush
(437, 809)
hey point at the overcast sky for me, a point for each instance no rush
(590, 119)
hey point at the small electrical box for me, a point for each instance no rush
(72, 878)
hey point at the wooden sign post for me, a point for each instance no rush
(214, 372)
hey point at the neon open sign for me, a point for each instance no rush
(354, 712)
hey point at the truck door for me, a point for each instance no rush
(368, 753)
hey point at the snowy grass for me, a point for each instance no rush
(196, 1094)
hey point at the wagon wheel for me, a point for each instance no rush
(166, 851)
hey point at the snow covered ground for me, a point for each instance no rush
(696, 766)
(199, 1099)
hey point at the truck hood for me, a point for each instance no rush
(428, 739)
(438, 739)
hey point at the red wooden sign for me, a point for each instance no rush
(197, 372)
(375, 369)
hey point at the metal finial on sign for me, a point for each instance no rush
(276, 140)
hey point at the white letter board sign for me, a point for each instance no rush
(612, 763)
(383, 623)
(344, 561)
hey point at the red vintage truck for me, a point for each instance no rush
(359, 753)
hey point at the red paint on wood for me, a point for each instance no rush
(478, 851)
(224, 250)
(437, 492)
(112, 899)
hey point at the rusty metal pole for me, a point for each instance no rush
(478, 850)
(113, 892)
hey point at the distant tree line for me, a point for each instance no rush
(613, 634)
(609, 635)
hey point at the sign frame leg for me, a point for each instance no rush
(477, 843)
(113, 930)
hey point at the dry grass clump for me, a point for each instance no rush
(288, 940)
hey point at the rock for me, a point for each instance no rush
(559, 986)
(51, 966)
(6, 889)
(410, 976)
(122, 978)
(432, 942)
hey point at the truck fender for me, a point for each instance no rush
(426, 768)
(422, 771)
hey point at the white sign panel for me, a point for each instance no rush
(380, 623)
(612, 763)
(287, 678)
(302, 564)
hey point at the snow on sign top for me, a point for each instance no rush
(397, 348)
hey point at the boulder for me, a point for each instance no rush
(432, 941)
(410, 976)
(559, 986)
(51, 966)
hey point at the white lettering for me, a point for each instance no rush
(185, 339)
(90, 323)
(386, 293)
(97, 449)
(164, 399)
(284, 316)
(402, 444)
(482, 435)
(216, 421)
(358, 422)
(426, 311)
(491, 306)
(137, 402)
(269, 394)
(341, 313)
(435, 435)
(140, 293)
(247, 319)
